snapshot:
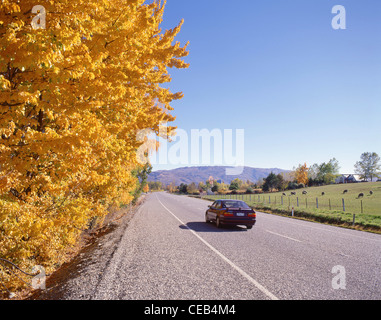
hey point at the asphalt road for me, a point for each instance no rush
(168, 252)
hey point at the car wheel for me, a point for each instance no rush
(206, 218)
(218, 223)
(249, 227)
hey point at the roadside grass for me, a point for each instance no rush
(334, 207)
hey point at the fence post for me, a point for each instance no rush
(297, 201)
(362, 209)
(306, 203)
(269, 199)
(330, 204)
(343, 205)
(281, 199)
(317, 203)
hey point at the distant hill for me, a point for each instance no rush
(188, 175)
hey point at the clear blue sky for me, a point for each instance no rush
(302, 91)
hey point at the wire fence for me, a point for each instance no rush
(358, 206)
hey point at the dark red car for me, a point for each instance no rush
(231, 212)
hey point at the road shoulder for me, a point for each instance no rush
(88, 264)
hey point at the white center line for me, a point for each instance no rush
(243, 273)
(280, 235)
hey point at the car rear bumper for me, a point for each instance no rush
(238, 221)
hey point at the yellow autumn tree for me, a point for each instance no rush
(301, 174)
(73, 96)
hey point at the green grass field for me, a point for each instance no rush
(333, 207)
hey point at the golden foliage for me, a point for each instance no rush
(301, 174)
(72, 98)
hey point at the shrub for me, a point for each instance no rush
(249, 191)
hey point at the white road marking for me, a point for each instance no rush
(303, 223)
(243, 273)
(283, 236)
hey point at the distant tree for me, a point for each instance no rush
(202, 186)
(155, 185)
(369, 165)
(259, 183)
(183, 188)
(270, 182)
(328, 171)
(234, 185)
(301, 174)
(329, 178)
(281, 183)
(216, 187)
(192, 188)
(249, 190)
(324, 173)
(142, 175)
(223, 187)
(313, 171)
(292, 185)
(171, 187)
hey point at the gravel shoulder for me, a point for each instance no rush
(78, 278)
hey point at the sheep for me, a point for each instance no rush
(304, 192)
(323, 193)
(283, 194)
(293, 193)
(361, 195)
(371, 192)
(345, 191)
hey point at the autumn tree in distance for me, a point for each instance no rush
(73, 96)
(301, 174)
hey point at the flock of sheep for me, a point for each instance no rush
(361, 195)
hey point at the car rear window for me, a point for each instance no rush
(235, 204)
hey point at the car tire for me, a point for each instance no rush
(206, 218)
(218, 223)
(249, 227)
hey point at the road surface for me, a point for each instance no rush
(168, 252)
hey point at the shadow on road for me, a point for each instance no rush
(209, 227)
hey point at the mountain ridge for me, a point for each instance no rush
(188, 175)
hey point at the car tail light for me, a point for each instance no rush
(228, 214)
(252, 214)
